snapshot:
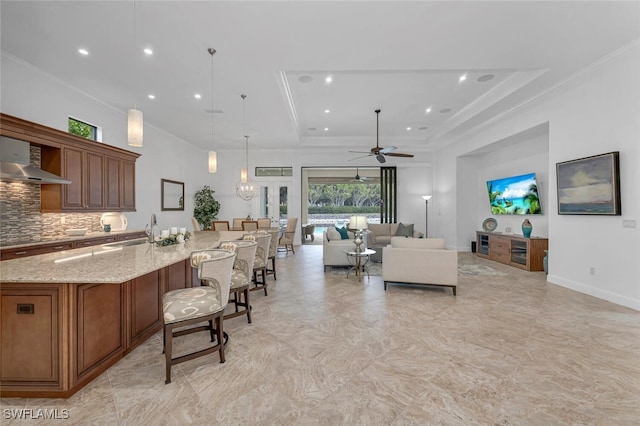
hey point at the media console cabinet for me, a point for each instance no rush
(513, 250)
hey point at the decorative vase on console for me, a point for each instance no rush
(526, 228)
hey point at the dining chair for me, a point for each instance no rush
(241, 276)
(264, 222)
(237, 223)
(286, 240)
(193, 305)
(220, 225)
(249, 225)
(196, 225)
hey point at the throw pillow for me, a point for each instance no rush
(405, 230)
(333, 234)
(343, 233)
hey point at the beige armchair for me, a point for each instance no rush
(289, 234)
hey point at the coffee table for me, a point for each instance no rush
(358, 261)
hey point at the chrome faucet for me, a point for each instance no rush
(150, 228)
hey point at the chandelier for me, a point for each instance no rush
(245, 188)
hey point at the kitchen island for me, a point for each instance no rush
(70, 315)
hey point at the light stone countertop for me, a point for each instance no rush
(70, 238)
(104, 263)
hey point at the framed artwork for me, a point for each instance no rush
(590, 186)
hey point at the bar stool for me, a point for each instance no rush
(188, 306)
(260, 264)
(241, 276)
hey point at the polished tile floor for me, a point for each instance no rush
(509, 349)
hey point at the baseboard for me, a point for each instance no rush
(618, 299)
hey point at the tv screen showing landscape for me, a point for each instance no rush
(514, 195)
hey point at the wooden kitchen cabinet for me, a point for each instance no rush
(102, 176)
(513, 250)
(86, 171)
(120, 190)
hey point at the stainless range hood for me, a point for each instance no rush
(14, 164)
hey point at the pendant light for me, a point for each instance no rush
(245, 189)
(135, 122)
(213, 156)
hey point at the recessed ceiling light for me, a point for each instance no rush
(485, 77)
(326, 129)
(408, 129)
(462, 78)
(428, 110)
(326, 111)
(445, 110)
(197, 96)
(151, 96)
(83, 51)
(423, 128)
(329, 79)
(305, 79)
(148, 51)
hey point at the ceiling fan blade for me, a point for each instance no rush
(381, 158)
(361, 152)
(388, 149)
(398, 154)
(357, 158)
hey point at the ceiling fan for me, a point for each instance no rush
(359, 178)
(379, 152)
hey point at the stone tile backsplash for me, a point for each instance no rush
(21, 220)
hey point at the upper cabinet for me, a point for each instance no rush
(102, 176)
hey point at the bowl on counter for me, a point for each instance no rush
(76, 232)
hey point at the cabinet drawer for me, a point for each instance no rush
(94, 241)
(132, 236)
(16, 253)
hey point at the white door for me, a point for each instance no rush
(275, 202)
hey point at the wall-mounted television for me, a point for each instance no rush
(514, 195)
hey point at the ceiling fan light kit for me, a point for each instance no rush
(379, 152)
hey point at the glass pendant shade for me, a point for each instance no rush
(134, 127)
(213, 162)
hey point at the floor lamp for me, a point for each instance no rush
(426, 199)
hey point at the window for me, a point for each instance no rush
(274, 171)
(84, 130)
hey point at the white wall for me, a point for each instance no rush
(32, 95)
(596, 112)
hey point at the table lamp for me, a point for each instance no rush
(358, 223)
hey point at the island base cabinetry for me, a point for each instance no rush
(56, 338)
(513, 250)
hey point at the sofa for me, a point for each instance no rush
(423, 261)
(379, 235)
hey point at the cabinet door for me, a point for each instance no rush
(31, 330)
(94, 183)
(73, 169)
(128, 185)
(112, 190)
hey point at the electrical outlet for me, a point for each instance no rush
(628, 223)
(63, 220)
(592, 270)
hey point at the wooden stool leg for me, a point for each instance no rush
(168, 339)
(220, 337)
(246, 299)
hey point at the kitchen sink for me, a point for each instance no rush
(127, 243)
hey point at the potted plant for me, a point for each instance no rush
(206, 207)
